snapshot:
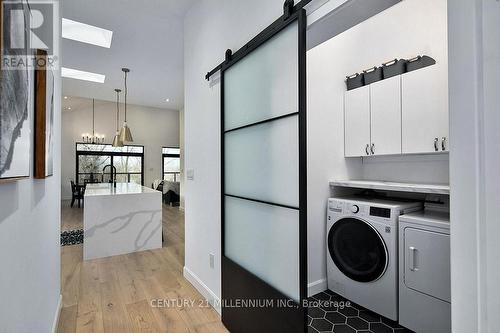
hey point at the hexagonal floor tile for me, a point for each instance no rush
(322, 296)
(369, 316)
(357, 323)
(336, 318)
(380, 328)
(316, 313)
(311, 330)
(322, 325)
(342, 328)
(348, 311)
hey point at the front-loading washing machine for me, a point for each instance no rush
(362, 251)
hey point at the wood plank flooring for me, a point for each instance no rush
(114, 294)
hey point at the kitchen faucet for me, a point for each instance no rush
(112, 178)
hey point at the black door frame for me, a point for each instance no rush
(244, 285)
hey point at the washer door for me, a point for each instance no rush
(357, 249)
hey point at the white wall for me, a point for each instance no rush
(474, 32)
(154, 128)
(181, 146)
(360, 47)
(29, 244)
(209, 30)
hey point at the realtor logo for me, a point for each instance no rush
(26, 28)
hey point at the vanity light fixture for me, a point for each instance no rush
(117, 142)
(125, 133)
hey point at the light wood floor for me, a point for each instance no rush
(114, 294)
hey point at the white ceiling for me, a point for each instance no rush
(147, 38)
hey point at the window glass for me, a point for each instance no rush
(127, 164)
(135, 178)
(172, 151)
(92, 163)
(172, 177)
(109, 148)
(171, 164)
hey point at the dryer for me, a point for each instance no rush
(362, 251)
(424, 272)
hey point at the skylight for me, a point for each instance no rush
(82, 75)
(86, 33)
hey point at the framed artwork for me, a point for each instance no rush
(44, 118)
(16, 98)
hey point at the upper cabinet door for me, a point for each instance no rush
(385, 100)
(424, 94)
(357, 122)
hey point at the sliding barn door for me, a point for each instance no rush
(264, 181)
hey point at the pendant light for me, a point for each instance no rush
(125, 133)
(93, 138)
(117, 142)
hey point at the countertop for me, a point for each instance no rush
(120, 189)
(394, 186)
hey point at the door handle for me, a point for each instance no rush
(372, 149)
(412, 258)
(436, 148)
(366, 149)
(443, 144)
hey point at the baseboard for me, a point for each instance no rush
(56, 316)
(316, 287)
(209, 295)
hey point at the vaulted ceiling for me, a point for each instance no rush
(147, 38)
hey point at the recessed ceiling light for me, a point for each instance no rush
(167, 100)
(86, 33)
(65, 97)
(82, 75)
(69, 107)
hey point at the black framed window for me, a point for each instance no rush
(171, 164)
(94, 163)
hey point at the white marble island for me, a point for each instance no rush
(122, 219)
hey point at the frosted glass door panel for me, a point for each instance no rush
(262, 162)
(264, 239)
(264, 84)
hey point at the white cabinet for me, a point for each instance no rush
(357, 122)
(373, 119)
(404, 114)
(385, 110)
(424, 97)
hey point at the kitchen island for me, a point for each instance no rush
(122, 219)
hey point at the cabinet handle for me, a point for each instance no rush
(436, 148)
(412, 258)
(366, 149)
(443, 144)
(372, 149)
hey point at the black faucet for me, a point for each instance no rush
(112, 178)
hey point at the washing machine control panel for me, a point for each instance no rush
(335, 206)
(349, 207)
